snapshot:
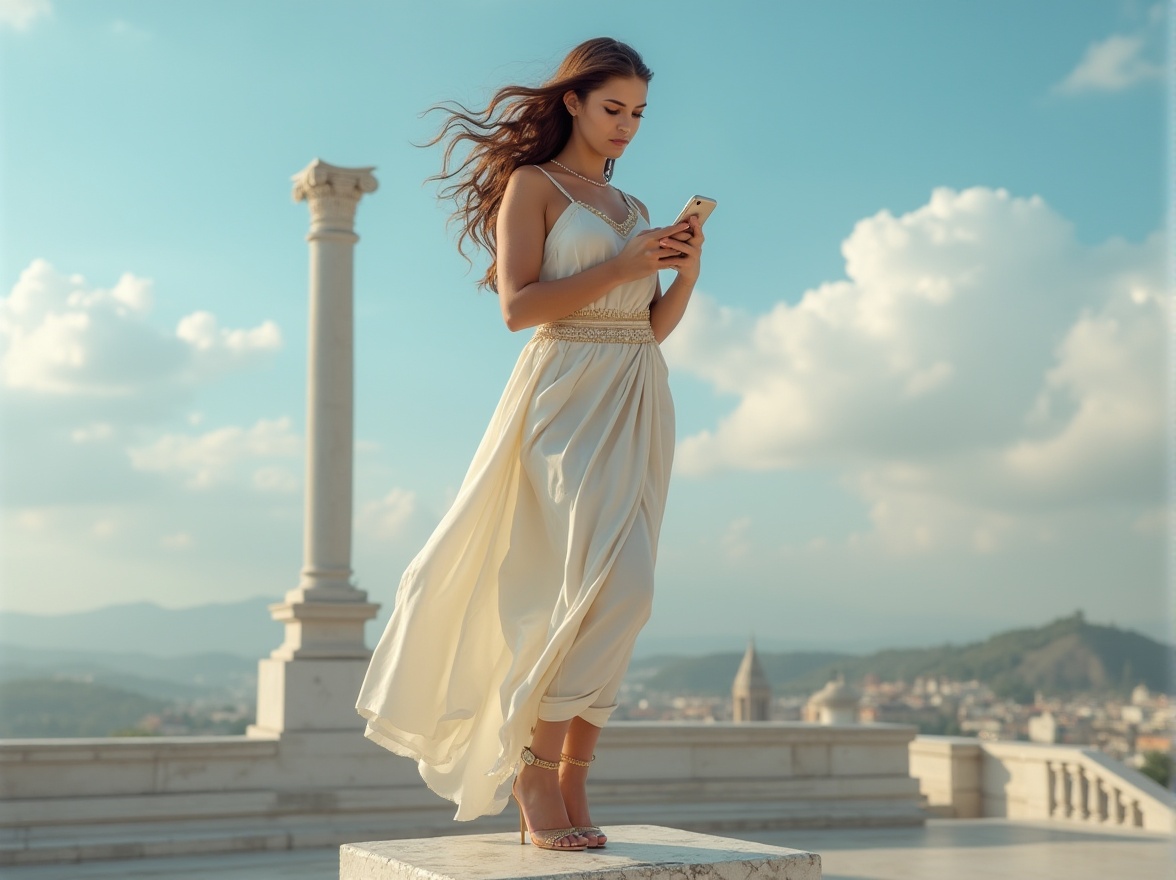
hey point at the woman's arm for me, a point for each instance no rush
(520, 234)
(667, 309)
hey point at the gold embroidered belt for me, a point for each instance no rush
(600, 325)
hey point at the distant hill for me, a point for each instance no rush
(192, 676)
(60, 708)
(1066, 656)
(243, 628)
(213, 649)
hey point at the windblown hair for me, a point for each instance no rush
(520, 126)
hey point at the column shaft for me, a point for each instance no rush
(329, 415)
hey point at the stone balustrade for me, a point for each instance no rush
(75, 799)
(967, 778)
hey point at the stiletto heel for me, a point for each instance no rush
(545, 838)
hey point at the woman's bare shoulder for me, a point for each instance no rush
(640, 206)
(528, 181)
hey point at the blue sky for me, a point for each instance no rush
(919, 392)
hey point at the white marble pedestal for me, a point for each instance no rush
(650, 852)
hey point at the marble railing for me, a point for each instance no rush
(967, 778)
(84, 799)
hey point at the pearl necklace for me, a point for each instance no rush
(581, 176)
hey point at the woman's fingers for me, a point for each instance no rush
(660, 247)
(661, 231)
(692, 235)
(683, 254)
(682, 247)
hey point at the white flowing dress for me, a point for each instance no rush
(528, 597)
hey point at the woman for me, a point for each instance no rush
(513, 627)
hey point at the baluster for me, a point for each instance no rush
(1101, 800)
(1061, 791)
(1083, 794)
(1067, 791)
(1118, 810)
(1136, 814)
(1051, 782)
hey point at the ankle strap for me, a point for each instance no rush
(577, 761)
(529, 758)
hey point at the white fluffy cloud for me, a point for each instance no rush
(200, 330)
(207, 459)
(388, 517)
(1120, 61)
(60, 335)
(85, 373)
(21, 14)
(978, 366)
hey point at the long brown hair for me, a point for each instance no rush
(520, 126)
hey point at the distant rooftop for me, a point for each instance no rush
(959, 849)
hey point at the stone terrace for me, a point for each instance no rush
(943, 849)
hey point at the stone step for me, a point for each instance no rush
(649, 852)
(54, 815)
(116, 840)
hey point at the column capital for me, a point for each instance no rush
(332, 193)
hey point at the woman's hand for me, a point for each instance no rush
(643, 255)
(685, 250)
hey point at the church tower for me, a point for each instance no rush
(751, 695)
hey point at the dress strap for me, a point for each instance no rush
(557, 185)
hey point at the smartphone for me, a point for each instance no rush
(700, 205)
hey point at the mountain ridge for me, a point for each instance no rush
(244, 628)
(1066, 656)
(219, 643)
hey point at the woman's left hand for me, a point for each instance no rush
(685, 255)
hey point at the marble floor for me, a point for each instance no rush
(980, 849)
(983, 849)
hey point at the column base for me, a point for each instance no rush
(323, 630)
(308, 695)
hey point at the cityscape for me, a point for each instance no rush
(1132, 725)
(1126, 729)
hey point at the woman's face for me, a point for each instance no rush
(609, 116)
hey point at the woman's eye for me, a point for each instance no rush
(615, 112)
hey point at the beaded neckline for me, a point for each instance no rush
(621, 229)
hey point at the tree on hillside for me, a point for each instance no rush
(56, 707)
(1157, 765)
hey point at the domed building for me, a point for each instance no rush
(835, 703)
(751, 695)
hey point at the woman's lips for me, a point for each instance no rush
(619, 142)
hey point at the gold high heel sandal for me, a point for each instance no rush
(586, 829)
(546, 838)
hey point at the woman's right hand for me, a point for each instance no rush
(642, 254)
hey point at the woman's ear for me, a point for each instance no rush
(572, 101)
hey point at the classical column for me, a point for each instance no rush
(311, 680)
